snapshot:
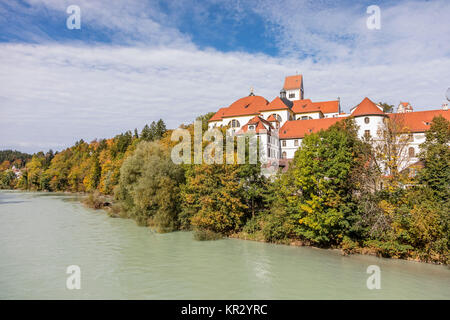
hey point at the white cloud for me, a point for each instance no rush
(54, 94)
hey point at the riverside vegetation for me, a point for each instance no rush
(333, 195)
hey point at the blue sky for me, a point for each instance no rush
(133, 62)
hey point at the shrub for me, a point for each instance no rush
(253, 225)
(205, 234)
(277, 226)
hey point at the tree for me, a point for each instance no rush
(155, 131)
(323, 186)
(435, 155)
(387, 108)
(212, 197)
(149, 187)
(390, 148)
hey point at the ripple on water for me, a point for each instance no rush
(43, 233)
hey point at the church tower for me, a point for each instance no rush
(293, 86)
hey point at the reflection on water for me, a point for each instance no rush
(41, 234)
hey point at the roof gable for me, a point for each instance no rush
(419, 121)
(366, 107)
(293, 82)
(300, 128)
(276, 104)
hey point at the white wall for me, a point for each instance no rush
(314, 115)
(284, 114)
(295, 92)
(375, 122)
(290, 147)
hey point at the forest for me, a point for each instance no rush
(333, 195)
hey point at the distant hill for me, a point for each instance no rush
(11, 155)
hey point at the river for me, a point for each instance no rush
(41, 234)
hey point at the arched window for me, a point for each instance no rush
(366, 120)
(411, 152)
(284, 155)
(234, 124)
(276, 117)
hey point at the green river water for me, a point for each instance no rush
(41, 234)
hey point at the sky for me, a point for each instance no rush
(133, 62)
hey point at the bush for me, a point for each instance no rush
(277, 226)
(389, 249)
(96, 200)
(204, 235)
(253, 225)
(348, 245)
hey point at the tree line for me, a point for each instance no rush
(339, 191)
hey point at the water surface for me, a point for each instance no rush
(41, 234)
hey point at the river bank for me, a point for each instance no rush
(98, 201)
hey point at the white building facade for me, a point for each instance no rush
(282, 123)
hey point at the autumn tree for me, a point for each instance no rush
(323, 186)
(390, 147)
(149, 187)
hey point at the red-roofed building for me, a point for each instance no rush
(292, 133)
(293, 87)
(282, 124)
(404, 107)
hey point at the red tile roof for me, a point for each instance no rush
(271, 118)
(245, 106)
(258, 122)
(275, 104)
(293, 82)
(300, 128)
(304, 106)
(307, 106)
(329, 106)
(418, 121)
(218, 115)
(366, 107)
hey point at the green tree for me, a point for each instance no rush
(436, 158)
(322, 176)
(149, 187)
(387, 108)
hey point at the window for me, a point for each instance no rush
(268, 152)
(251, 127)
(284, 143)
(284, 155)
(276, 116)
(411, 137)
(296, 143)
(367, 134)
(366, 120)
(291, 95)
(411, 152)
(234, 124)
